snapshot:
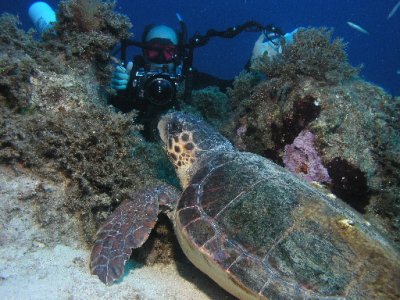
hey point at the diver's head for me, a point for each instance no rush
(162, 44)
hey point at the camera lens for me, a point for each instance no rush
(159, 90)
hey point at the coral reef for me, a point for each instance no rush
(54, 121)
(90, 148)
(80, 43)
(312, 54)
(89, 29)
(210, 103)
(311, 87)
(21, 57)
(84, 13)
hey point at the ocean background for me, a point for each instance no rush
(378, 52)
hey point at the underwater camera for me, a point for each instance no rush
(157, 87)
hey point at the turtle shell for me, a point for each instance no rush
(263, 233)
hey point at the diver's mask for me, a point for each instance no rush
(160, 51)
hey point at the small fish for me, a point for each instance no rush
(393, 11)
(398, 72)
(357, 27)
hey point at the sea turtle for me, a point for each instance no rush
(257, 230)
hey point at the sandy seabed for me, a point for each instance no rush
(32, 268)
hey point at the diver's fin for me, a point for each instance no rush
(128, 227)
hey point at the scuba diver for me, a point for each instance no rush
(161, 54)
(149, 82)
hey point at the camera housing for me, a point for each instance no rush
(155, 86)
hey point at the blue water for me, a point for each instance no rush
(379, 52)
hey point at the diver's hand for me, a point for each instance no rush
(121, 76)
(289, 37)
(261, 46)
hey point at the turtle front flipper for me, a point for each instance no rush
(127, 228)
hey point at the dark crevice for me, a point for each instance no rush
(273, 155)
(162, 245)
(304, 112)
(349, 184)
(102, 208)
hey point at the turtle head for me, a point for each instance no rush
(187, 138)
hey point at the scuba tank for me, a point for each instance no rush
(42, 16)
